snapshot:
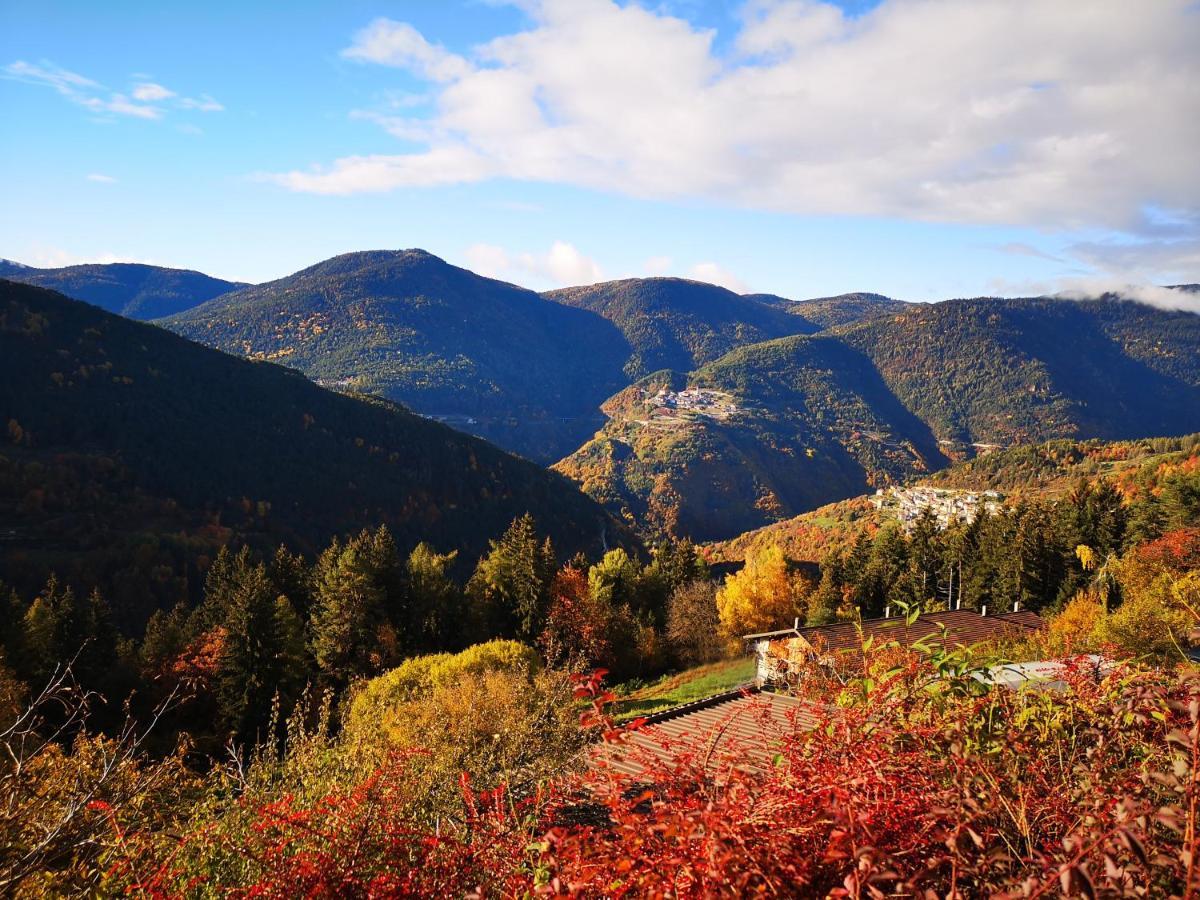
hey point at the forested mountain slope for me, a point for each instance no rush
(128, 289)
(486, 356)
(821, 418)
(792, 424)
(128, 451)
(1025, 370)
(842, 309)
(1165, 469)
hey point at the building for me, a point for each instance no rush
(744, 727)
(781, 652)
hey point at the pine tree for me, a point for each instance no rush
(510, 589)
(434, 600)
(347, 611)
(292, 652)
(248, 672)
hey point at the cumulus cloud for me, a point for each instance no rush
(715, 274)
(144, 100)
(562, 265)
(982, 111)
(392, 43)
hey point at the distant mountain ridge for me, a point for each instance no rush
(674, 323)
(129, 450)
(133, 290)
(842, 309)
(489, 357)
(834, 394)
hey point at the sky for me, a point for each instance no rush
(923, 149)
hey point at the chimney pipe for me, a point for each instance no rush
(887, 612)
(796, 624)
(983, 610)
(1017, 606)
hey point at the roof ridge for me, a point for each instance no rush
(691, 706)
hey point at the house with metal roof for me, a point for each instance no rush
(783, 651)
(743, 728)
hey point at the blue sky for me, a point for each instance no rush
(922, 150)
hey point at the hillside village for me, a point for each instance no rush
(947, 505)
(667, 404)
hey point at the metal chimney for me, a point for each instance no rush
(983, 610)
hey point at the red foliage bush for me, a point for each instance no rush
(928, 785)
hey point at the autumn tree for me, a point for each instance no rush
(693, 624)
(764, 595)
(578, 624)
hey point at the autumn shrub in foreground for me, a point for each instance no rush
(919, 781)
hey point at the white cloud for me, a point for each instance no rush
(391, 43)
(101, 179)
(561, 266)
(982, 111)
(43, 256)
(1151, 295)
(356, 174)
(93, 96)
(657, 265)
(489, 260)
(148, 91)
(715, 274)
(203, 103)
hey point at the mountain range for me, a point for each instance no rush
(128, 451)
(688, 409)
(129, 289)
(485, 356)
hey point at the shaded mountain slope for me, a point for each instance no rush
(128, 448)
(488, 357)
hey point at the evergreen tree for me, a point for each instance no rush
(227, 571)
(292, 652)
(292, 577)
(248, 672)
(347, 612)
(434, 600)
(510, 589)
(165, 638)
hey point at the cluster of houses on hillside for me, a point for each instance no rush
(947, 505)
(700, 401)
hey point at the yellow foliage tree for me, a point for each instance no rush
(764, 595)
(1072, 630)
(1152, 622)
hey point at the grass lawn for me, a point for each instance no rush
(682, 687)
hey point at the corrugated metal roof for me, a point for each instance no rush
(744, 728)
(963, 627)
